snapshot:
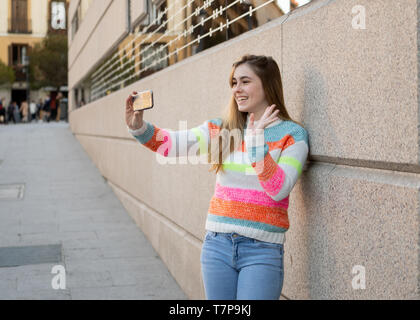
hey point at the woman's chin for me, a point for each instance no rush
(243, 108)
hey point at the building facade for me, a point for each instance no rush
(24, 23)
(150, 35)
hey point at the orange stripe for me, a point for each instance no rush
(278, 144)
(289, 142)
(213, 129)
(249, 211)
(242, 147)
(282, 144)
(153, 144)
(265, 168)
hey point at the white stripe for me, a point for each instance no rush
(273, 237)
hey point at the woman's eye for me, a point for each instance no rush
(234, 83)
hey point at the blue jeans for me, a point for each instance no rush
(237, 267)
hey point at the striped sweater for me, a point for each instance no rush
(251, 196)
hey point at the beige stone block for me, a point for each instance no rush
(354, 89)
(134, 208)
(341, 217)
(194, 285)
(152, 229)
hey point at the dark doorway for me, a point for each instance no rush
(18, 96)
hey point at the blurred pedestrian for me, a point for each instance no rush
(16, 112)
(58, 104)
(24, 110)
(46, 109)
(32, 109)
(3, 111)
(11, 112)
(39, 108)
(53, 108)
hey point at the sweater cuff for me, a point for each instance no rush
(139, 131)
(256, 147)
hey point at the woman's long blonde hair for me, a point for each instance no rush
(268, 71)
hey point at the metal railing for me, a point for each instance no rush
(20, 25)
(20, 72)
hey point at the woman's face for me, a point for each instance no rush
(247, 90)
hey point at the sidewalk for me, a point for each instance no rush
(56, 205)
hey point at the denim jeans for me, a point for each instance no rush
(236, 267)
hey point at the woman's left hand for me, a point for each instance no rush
(268, 117)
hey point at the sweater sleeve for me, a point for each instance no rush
(278, 178)
(169, 143)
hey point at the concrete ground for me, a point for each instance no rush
(57, 210)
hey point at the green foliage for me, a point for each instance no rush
(7, 75)
(48, 62)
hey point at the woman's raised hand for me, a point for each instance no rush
(134, 119)
(268, 117)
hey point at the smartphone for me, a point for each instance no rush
(143, 100)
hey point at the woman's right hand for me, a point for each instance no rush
(134, 119)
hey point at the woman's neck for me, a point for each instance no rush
(257, 115)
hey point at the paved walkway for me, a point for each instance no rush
(56, 205)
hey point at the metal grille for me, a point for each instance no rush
(19, 256)
(179, 30)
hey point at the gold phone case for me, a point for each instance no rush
(143, 100)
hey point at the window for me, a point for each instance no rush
(155, 11)
(19, 54)
(151, 54)
(77, 19)
(19, 22)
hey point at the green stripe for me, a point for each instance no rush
(235, 166)
(201, 140)
(243, 167)
(291, 162)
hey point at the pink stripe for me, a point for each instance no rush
(164, 148)
(275, 183)
(249, 196)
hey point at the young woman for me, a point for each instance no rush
(242, 253)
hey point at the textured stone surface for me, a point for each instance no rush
(353, 216)
(354, 89)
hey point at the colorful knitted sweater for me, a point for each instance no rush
(251, 196)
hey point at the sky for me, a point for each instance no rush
(285, 4)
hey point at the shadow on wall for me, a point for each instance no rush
(319, 253)
(316, 117)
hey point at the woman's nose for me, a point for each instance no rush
(237, 89)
